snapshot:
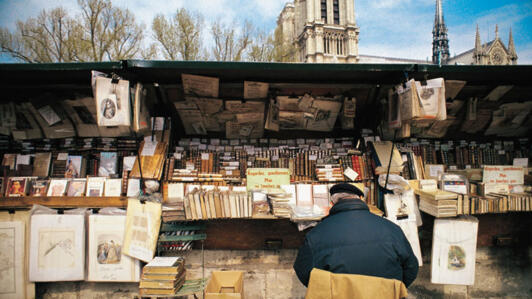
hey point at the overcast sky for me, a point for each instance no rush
(393, 28)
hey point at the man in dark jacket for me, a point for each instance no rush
(351, 240)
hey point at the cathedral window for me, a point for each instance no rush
(324, 10)
(336, 11)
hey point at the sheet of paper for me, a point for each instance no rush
(149, 148)
(142, 229)
(129, 161)
(200, 85)
(12, 242)
(255, 90)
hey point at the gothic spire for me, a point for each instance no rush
(511, 45)
(478, 44)
(496, 31)
(438, 19)
(440, 42)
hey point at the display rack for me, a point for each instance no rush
(27, 202)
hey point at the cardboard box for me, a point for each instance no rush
(225, 285)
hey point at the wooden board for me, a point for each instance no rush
(62, 202)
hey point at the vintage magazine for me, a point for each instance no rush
(38, 187)
(142, 229)
(105, 258)
(16, 187)
(108, 164)
(57, 248)
(113, 187)
(112, 102)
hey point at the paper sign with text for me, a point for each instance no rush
(267, 178)
(504, 174)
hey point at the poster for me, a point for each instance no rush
(105, 258)
(57, 248)
(142, 229)
(454, 246)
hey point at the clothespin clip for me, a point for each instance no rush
(114, 78)
(424, 82)
(406, 79)
(11, 211)
(60, 211)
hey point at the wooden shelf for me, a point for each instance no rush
(63, 202)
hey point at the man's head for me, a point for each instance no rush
(345, 191)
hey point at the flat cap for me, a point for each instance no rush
(346, 188)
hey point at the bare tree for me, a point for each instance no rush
(262, 48)
(230, 42)
(179, 37)
(109, 32)
(50, 37)
(101, 32)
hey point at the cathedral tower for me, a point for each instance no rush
(440, 41)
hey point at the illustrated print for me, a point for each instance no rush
(109, 249)
(108, 108)
(56, 248)
(456, 259)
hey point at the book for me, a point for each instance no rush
(76, 187)
(73, 167)
(41, 164)
(165, 265)
(95, 186)
(38, 187)
(108, 164)
(113, 187)
(57, 187)
(16, 187)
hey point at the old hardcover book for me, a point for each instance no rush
(57, 187)
(113, 187)
(165, 265)
(41, 164)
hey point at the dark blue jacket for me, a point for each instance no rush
(352, 240)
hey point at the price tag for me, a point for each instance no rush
(453, 167)
(177, 156)
(275, 158)
(202, 147)
(205, 156)
(468, 167)
(312, 157)
(62, 156)
(501, 152)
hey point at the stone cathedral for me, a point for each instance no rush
(325, 31)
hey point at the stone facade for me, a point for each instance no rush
(491, 53)
(324, 31)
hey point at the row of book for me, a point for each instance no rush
(494, 203)
(91, 186)
(69, 165)
(464, 154)
(72, 144)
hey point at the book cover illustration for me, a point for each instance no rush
(16, 187)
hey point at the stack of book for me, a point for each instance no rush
(173, 206)
(280, 203)
(438, 203)
(162, 276)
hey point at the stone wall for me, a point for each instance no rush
(500, 273)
